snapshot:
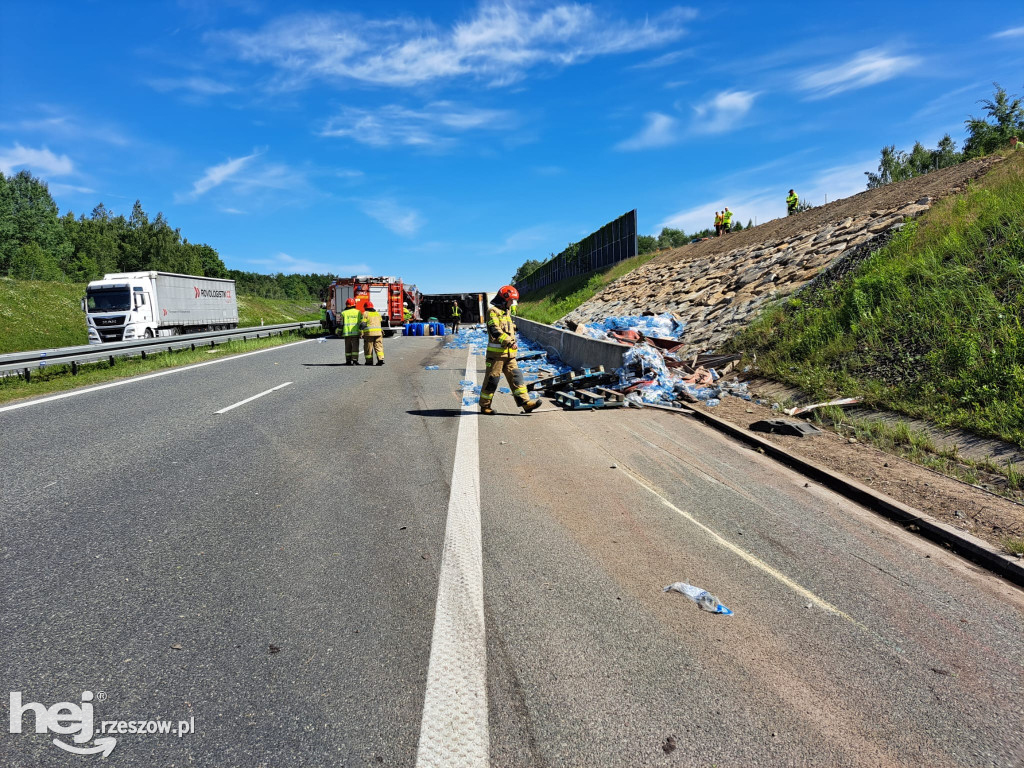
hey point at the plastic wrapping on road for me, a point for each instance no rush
(432, 368)
(703, 599)
(656, 374)
(663, 326)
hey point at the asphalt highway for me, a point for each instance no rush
(352, 569)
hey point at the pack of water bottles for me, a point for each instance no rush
(664, 326)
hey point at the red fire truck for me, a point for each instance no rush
(388, 294)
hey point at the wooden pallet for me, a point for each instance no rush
(584, 399)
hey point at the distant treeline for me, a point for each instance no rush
(37, 243)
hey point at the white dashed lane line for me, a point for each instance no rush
(250, 399)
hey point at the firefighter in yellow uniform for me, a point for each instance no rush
(373, 336)
(350, 331)
(501, 354)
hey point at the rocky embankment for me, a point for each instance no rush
(718, 285)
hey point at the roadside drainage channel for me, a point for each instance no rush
(914, 520)
(968, 445)
(586, 352)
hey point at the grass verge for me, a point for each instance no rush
(931, 325)
(559, 299)
(1014, 545)
(900, 439)
(58, 378)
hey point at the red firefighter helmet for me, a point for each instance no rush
(508, 294)
(369, 305)
(350, 302)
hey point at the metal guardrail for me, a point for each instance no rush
(25, 362)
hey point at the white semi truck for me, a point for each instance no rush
(140, 305)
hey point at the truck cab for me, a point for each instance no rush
(119, 310)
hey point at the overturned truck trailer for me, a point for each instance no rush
(439, 305)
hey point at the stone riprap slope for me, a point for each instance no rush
(717, 285)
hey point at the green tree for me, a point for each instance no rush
(672, 238)
(946, 154)
(525, 269)
(646, 243)
(30, 216)
(31, 262)
(891, 167)
(984, 137)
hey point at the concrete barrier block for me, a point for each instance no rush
(573, 349)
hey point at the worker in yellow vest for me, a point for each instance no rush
(350, 331)
(718, 223)
(373, 336)
(726, 220)
(456, 317)
(791, 203)
(501, 354)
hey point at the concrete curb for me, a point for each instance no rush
(959, 542)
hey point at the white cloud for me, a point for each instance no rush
(431, 126)
(499, 43)
(660, 131)
(1012, 32)
(70, 189)
(233, 211)
(66, 128)
(202, 86)
(217, 174)
(866, 68)
(289, 265)
(723, 112)
(398, 218)
(530, 239)
(663, 61)
(40, 162)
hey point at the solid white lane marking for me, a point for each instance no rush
(75, 392)
(752, 559)
(755, 561)
(250, 399)
(453, 733)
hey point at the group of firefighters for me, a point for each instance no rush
(502, 346)
(355, 325)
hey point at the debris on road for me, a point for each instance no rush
(432, 368)
(804, 409)
(704, 599)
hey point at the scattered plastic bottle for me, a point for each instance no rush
(704, 599)
(712, 402)
(432, 367)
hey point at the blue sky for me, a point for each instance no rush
(447, 143)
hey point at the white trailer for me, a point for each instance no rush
(140, 305)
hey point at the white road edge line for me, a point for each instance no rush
(752, 559)
(454, 731)
(75, 392)
(250, 399)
